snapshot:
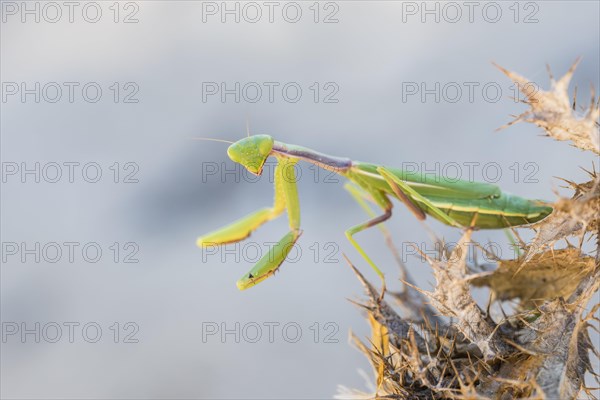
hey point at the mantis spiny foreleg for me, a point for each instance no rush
(286, 197)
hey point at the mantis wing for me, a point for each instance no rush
(429, 185)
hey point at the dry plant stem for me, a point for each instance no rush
(571, 217)
(410, 300)
(554, 111)
(385, 315)
(452, 297)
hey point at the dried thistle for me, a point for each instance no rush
(539, 350)
(554, 111)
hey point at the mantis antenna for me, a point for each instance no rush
(211, 139)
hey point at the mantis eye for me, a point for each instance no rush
(265, 145)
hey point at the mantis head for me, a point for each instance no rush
(251, 152)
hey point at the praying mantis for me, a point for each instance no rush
(457, 203)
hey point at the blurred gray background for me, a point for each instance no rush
(177, 295)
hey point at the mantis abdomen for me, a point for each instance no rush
(460, 200)
(492, 213)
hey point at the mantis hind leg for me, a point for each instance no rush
(513, 242)
(380, 199)
(361, 197)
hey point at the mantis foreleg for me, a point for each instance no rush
(286, 197)
(238, 230)
(285, 187)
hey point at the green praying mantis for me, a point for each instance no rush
(457, 203)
